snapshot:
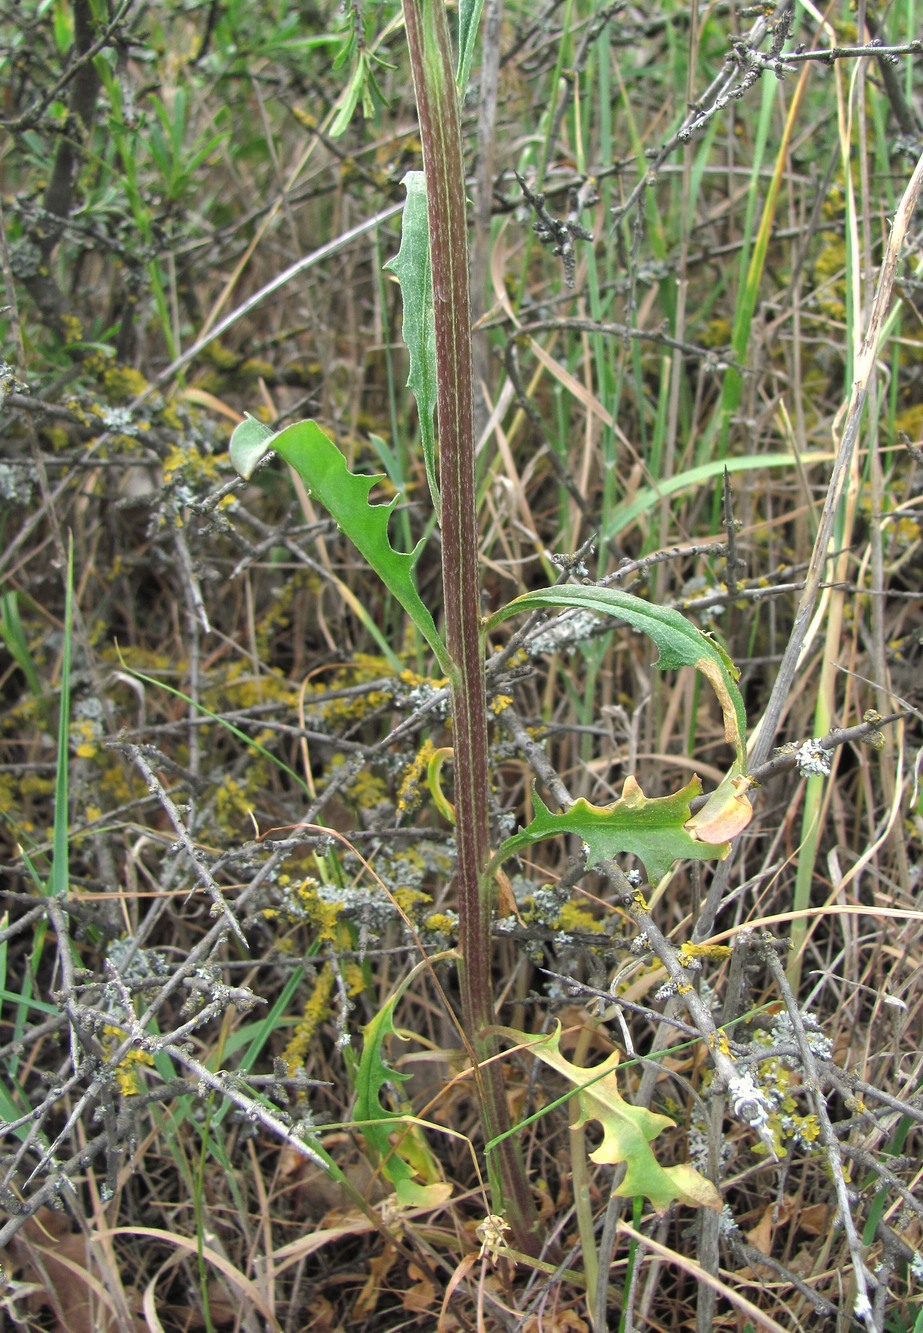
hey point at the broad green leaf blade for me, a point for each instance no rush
(679, 642)
(627, 1130)
(249, 445)
(345, 496)
(656, 830)
(411, 267)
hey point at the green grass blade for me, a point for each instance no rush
(222, 722)
(625, 514)
(17, 645)
(60, 876)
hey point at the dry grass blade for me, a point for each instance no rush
(699, 1274)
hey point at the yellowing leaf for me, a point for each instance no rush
(722, 675)
(396, 1140)
(627, 1130)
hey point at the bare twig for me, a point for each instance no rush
(865, 1281)
(762, 739)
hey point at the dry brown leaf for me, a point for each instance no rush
(316, 1194)
(221, 1311)
(815, 1219)
(446, 1318)
(247, 1290)
(804, 1264)
(559, 1321)
(422, 1295)
(39, 1255)
(339, 1225)
(324, 1317)
(506, 899)
(379, 1268)
(777, 1214)
(221, 1308)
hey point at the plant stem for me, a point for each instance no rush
(443, 161)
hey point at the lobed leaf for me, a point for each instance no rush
(659, 830)
(627, 1130)
(406, 1160)
(656, 830)
(345, 496)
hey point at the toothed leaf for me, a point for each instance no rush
(656, 830)
(405, 1156)
(345, 496)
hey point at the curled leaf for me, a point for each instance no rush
(726, 813)
(249, 445)
(679, 642)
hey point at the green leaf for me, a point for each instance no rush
(17, 645)
(627, 1130)
(405, 1156)
(411, 267)
(469, 14)
(679, 643)
(624, 515)
(249, 445)
(345, 496)
(351, 96)
(63, 25)
(59, 881)
(661, 830)
(655, 830)
(200, 708)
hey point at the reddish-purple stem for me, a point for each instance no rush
(443, 161)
